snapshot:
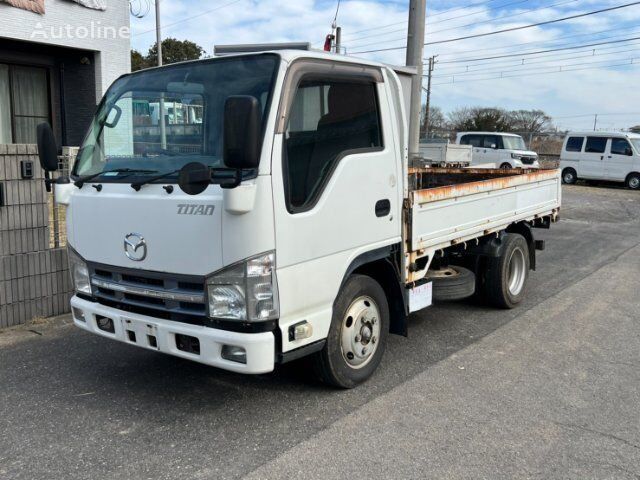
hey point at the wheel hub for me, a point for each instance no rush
(517, 271)
(360, 332)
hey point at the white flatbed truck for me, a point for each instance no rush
(286, 222)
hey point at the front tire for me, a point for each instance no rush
(633, 181)
(569, 176)
(357, 336)
(506, 166)
(506, 275)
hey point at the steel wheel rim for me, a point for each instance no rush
(568, 177)
(360, 332)
(634, 182)
(517, 271)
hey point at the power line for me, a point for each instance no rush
(599, 114)
(512, 29)
(470, 24)
(201, 14)
(543, 66)
(539, 52)
(591, 55)
(439, 21)
(428, 16)
(533, 74)
(551, 41)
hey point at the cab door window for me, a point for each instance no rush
(596, 145)
(620, 146)
(491, 141)
(473, 140)
(328, 120)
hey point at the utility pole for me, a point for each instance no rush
(338, 39)
(595, 122)
(163, 127)
(432, 62)
(158, 33)
(415, 50)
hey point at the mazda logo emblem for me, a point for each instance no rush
(135, 247)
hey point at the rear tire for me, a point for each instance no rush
(506, 276)
(633, 181)
(357, 336)
(569, 176)
(452, 283)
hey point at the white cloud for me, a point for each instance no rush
(588, 91)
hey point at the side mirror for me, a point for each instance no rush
(194, 178)
(47, 148)
(494, 146)
(242, 132)
(628, 152)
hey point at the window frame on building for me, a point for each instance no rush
(12, 113)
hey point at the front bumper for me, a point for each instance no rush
(260, 347)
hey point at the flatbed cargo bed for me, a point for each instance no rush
(451, 206)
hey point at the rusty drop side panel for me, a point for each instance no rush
(448, 206)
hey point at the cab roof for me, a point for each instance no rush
(604, 134)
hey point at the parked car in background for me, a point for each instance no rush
(442, 153)
(498, 150)
(611, 156)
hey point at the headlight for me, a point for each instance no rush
(516, 156)
(79, 272)
(245, 291)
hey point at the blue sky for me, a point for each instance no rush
(594, 80)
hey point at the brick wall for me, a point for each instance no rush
(34, 279)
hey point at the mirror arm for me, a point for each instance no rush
(237, 180)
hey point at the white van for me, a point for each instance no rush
(611, 156)
(498, 150)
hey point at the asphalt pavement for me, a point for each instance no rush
(548, 390)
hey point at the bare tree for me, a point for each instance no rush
(437, 122)
(530, 121)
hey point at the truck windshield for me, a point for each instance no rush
(636, 144)
(158, 120)
(513, 143)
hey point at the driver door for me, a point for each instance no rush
(337, 193)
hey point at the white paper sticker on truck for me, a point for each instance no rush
(420, 297)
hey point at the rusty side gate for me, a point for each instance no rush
(34, 277)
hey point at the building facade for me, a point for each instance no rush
(56, 65)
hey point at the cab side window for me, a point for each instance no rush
(574, 144)
(473, 140)
(328, 120)
(596, 145)
(491, 141)
(620, 146)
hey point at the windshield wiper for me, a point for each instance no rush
(87, 178)
(138, 185)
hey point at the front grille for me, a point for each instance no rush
(174, 297)
(528, 160)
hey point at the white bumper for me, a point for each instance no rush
(260, 347)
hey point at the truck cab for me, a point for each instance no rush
(274, 218)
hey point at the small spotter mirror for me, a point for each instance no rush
(194, 178)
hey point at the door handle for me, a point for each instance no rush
(383, 207)
(601, 157)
